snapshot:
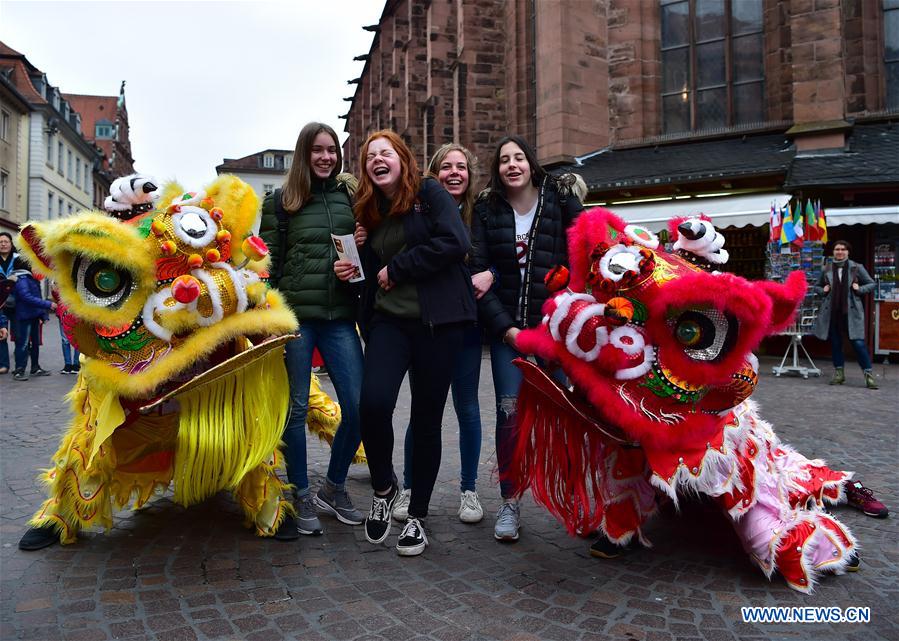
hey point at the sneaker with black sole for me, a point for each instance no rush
(377, 524)
(38, 538)
(863, 499)
(287, 531)
(603, 548)
(40, 372)
(307, 516)
(412, 540)
(19, 375)
(336, 502)
(401, 506)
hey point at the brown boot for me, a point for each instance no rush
(870, 383)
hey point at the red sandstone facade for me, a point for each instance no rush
(577, 76)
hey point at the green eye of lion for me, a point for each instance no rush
(107, 280)
(688, 332)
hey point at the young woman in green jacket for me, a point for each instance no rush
(316, 202)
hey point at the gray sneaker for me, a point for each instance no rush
(307, 516)
(508, 520)
(336, 502)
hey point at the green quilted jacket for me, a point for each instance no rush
(308, 282)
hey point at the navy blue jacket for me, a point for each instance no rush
(434, 259)
(29, 303)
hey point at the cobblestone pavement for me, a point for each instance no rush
(170, 573)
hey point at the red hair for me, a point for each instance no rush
(366, 207)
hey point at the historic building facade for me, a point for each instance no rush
(14, 130)
(104, 122)
(60, 160)
(264, 171)
(580, 77)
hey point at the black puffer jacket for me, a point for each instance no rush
(493, 246)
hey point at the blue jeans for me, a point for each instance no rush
(466, 377)
(506, 382)
(341, 349)
(67, 350)
(28, 340)
(838, 327)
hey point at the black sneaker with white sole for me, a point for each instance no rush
(412, 540)
(377, 524)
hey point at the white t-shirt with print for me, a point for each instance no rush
(523, 222)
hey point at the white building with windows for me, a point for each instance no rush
(264, 170)
(60, 160)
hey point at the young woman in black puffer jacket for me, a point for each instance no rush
(519, 233)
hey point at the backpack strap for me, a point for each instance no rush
(283, 222)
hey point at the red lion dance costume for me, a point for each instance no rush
(659, 349)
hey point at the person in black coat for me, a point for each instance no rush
(519, 232)
(417, 300)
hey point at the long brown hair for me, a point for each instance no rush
(469, 196)
(366, 207)
(297, 189)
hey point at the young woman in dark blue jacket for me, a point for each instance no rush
(417, 300)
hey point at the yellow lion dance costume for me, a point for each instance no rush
(183, 379)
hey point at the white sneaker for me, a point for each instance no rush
(401, 506)
(470, 510)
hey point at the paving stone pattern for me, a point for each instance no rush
(170, 574)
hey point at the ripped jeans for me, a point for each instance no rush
(506, 381)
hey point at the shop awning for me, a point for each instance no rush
(725, 211)
(862, 215)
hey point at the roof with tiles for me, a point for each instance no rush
(93, 109)
(869, 158)
(18, 68)
(685, 162)
(254, 162)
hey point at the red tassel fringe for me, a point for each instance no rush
(555, 456)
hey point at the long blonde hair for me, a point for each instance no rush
(297, 189)
(468, 197)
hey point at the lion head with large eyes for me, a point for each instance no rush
(153, 293)
(657, 342)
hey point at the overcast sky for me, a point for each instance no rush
(205, 80)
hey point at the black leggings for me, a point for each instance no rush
(395, 346)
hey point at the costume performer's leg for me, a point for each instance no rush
(261, 495)
(78, 487)
(778, 511)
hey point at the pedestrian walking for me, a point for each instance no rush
(843, 284)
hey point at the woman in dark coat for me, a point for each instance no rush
(417, 301)
(843, 283)
(519, 232)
